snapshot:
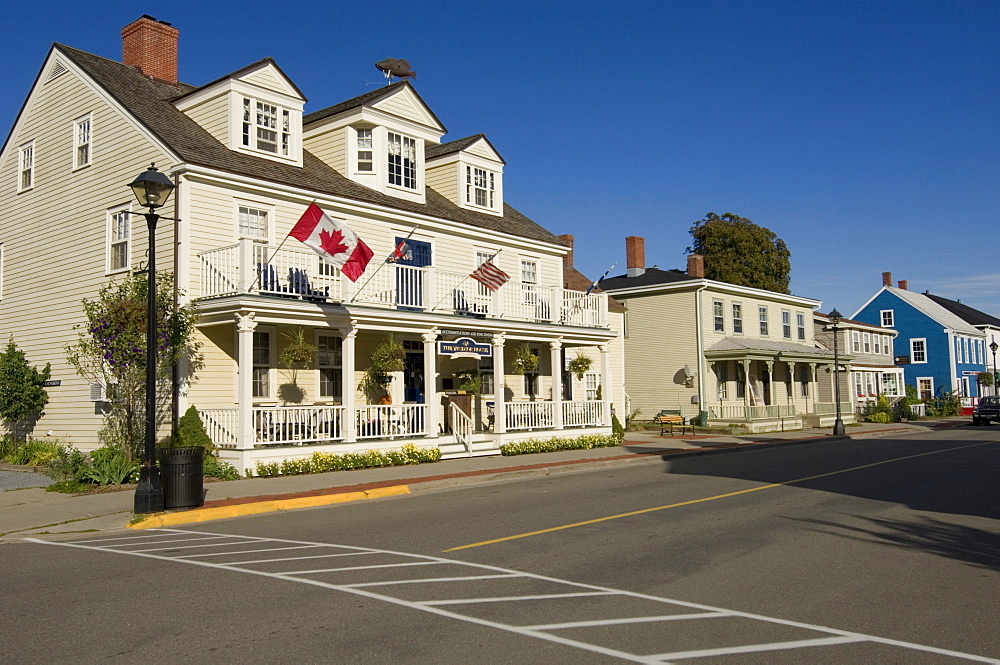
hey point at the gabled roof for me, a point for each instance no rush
(651, 277)
(856, 324)
(459, 145)
(243, 70)
(151, 103)
(368, 99)
(924, 304)
(966, 313)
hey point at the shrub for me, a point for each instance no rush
(529, 446)
(35, 452)
(191, 431)
(616, 426)
(322, 462)
(21, 393)
(109, 466)
(944, 405)
(216, 468)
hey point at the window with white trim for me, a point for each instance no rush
(786, 324)
(402, 153)
(918, 350)
(800, 324)
(266, 127)
(252, 222)
(887, 345)
(741, 381)
(365, 156)
(762, 315)
(868, 342)
(486, 384)
(718, 316)
(119, 249)
(531, 380)
(737, 318)
(890, 384)
(26, 167)
(81, 142)
(965, 350)
(877, 344)
(722, 380)
(887, 318)
(329, 361)
(925, 388)
(591, 380)
(529, 280)
(480, 187)
(261, 378)
(804, 380)
(856, 340)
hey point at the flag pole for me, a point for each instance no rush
(372, 276)
(590, 288)
(467, 278)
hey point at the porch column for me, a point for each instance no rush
(606, 382)
(555, 350)
(245, 326)
(347, 380)
(813, 387)
(431, 401)
(770, 380)
(247, 275)
(746, 385)
(500, 398)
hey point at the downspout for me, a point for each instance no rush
(955, 383)
(702, 408)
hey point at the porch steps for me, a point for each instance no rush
(482, 446)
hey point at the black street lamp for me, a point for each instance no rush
(993, 348)
(838, 424)
(152, 189)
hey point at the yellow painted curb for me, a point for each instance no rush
(243, 509)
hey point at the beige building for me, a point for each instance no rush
(247, 160)
(867, 365)
(721, 353)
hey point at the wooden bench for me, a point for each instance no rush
(667, 420)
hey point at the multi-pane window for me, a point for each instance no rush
(804, 379)
(481, 258)
(737, 318)
(868, 342)
(590, 382)
(877, 343)
(402, 161)
(479, 186)
(119, 240)
(762, 315)
(887, 318)
(81, 142)
(918, 350)
(741, 382)
(329, 358)
(486, 385)
(365, 154)
(531, 380)
(958, 350)
(261, 364)
(800, 324)
(266, 127)
(856, 336)
(890, 384)
(717, 315)
(253, 222)
(529, 280)
(26, 167)
(722, 380)
(925, 388)
(786, 324)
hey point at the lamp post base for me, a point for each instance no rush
(838, 427)
(149, 492)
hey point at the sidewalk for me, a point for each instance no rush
(34, 511)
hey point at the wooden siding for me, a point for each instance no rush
(55, 237)
(213, 115)
(444, 179)
(404, 105)
(330, 147)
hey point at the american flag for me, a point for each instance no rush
(490, 276)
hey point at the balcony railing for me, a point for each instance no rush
(251, 267)
(742, 412)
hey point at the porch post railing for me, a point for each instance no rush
(247, 274)
(245, 326)
(555, 353)
(606, 381)
(348, 362)
(499, 397)
(430, 383)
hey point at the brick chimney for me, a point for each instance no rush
(635, 255)
(568, 241)
(887, 279)
(696, 265)
(151, 46)
(902, 284)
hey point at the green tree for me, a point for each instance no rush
(111, 350)
(22, 396)
(740, 252)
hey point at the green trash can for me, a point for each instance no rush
(183, 474)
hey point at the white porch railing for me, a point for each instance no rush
(582, 414)
(391, 421)
(742, 412)
(528, 415)
(461, 426)
(830, 408)
(297, 424)
(253, 267)
(221, 425)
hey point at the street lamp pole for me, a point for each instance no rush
(151, 189)
(838, 424)
(993, 348)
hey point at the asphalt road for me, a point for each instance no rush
(877, 551)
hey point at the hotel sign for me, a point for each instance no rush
(902, 360)
(464, 347)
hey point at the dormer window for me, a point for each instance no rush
(266, 127)
(365, 151)
(402, 152)
(480, 187)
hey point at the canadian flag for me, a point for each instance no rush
(334, 241)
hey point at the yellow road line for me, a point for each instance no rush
(709, 498)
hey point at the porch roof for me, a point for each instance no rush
(749, 348)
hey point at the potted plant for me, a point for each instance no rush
(386, 358)
(469, 380)
(525, 360)
(297, 354)
(580, 365)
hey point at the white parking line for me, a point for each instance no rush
(431, 606)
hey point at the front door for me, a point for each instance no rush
(413, 377)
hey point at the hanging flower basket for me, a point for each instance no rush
(525, 361)
(580, 365)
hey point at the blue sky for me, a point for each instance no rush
(865, 134)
